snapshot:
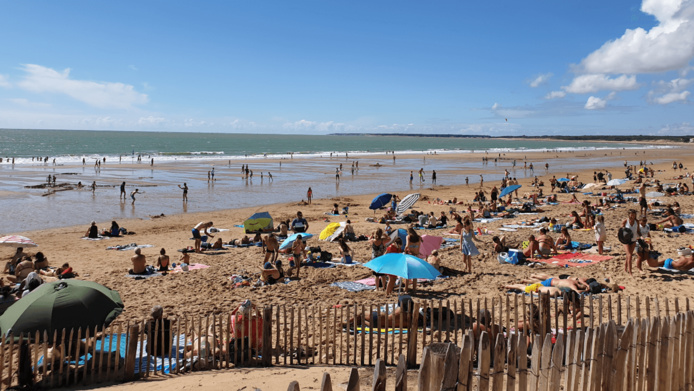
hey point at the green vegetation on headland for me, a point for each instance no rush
(633, 138)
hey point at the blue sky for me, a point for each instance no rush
(498, 68)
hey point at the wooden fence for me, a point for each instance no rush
(646, 354)
(336, 335)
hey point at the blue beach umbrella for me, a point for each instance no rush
(403, 265)
(288, 242)
(563, 180)
(508, 190)
(398, 233)
(261, 221)
(380, 201)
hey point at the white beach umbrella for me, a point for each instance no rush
(17, 241)
(406, 203)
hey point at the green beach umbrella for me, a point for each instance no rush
(63, 304)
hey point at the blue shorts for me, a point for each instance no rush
(668, 263)
(547, 282)
(196, 234)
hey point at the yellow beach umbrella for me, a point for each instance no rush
(330, 230)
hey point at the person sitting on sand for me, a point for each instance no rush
(22, 270)
(435, 260)
(163, 261)
(299, 224)
(218, 244)
(388, 229)
(335, 210)
(348, 232)
(532, 249)
(384, 319)
(139, 263)
(184, 258)
(576, 223)
(672, 219)
(93, 231)
(205, 226)
(564, 240)
(545, 243)
(500, 244)
(63, 272)
(40, 261)
(458, 226)
(270, 274)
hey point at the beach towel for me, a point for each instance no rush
(674, 271)
(370, 281)
(238, 225)
(352, 286)
(369, 330)
(163, 364)
(143, 276)
(192, 266)
(126, 247)
(575, 259)
(99, 238)
(319, 265)
(354, 263)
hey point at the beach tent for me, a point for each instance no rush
(288, 242)
(563, 180)
(260, 221)
(407, 203)
(380, 201)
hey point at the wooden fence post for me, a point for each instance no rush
(267, 336)
(412, 337)
(131, 352)
(326, 384)
(379, 381)
(353, 382)
(483, 361)
(424, 371)
(400, 374)
(545, 319)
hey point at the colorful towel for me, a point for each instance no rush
(319, 265)
(126, 247)
(143, 276)
(370, 281)
(369, 330)
(574, 259)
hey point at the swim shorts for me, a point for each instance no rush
(668, 263)
(533, 288)
(545, 250)
(196, 234)
(547, 282)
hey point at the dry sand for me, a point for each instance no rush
(203, 292)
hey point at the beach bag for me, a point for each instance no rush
(625, 235)
(246, 321)
(315, 250)
(326, 256)
(515, 257)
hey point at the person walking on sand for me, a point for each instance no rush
(467, 245)
(122, 191)
(132, 195)
(309, 195)
(185, 191)
(633, 225)
(196, 233)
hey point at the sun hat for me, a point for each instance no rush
(625, 235)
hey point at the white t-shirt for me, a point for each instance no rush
(600, 232)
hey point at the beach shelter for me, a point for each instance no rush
(260, 221)
(332, 231)
(398, 233)
(406, 203)
(429, 244)
(403, 265)
(16, 241)
(616, 182)
(288, 242)
(380, 201)
(64, 304)
(508, 190)
(563, 180)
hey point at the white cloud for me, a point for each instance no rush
(585, 84)
(511, 112)
(40, 79)
(595, 103)
(681, 129)
(667, 46)
(555, 95)
(672, 97)
(539, 80)
(151, 120)
(666, 92)
(4, 82)
(326, 126)
(495, 106)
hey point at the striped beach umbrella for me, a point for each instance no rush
(16, 241)
(406, 203)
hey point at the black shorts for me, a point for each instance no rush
(196, 234)
(643, 203)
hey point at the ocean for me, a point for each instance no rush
(71, 146)
(189, 157)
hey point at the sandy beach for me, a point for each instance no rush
(202, 292)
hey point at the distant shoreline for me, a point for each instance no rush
(605, 138)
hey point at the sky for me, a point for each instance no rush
(589, 67)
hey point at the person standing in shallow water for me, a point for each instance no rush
(122, 191)
(309, 195)
(185, 191)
